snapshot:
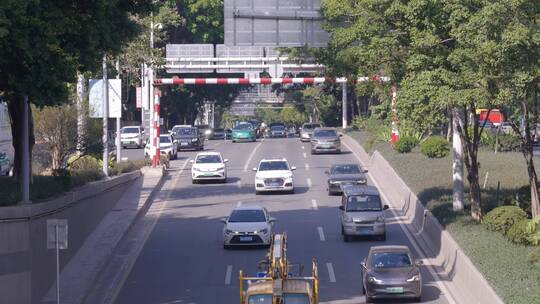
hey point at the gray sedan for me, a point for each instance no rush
(342, 174)
(391, 272)
(325, 140)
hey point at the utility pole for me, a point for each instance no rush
(457, 162)
(118, 143)
(105, 108)
(344, 105)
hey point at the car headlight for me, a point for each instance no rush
(373, 279)
(207, 132)
(195, 169)
(334, 182)
(380, 219)
(220, 168)
(347, 219)
(194, 139)
(414, 278)
(262, 231)
(260, 179)
(361, 181)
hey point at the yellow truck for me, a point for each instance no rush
(276, 284)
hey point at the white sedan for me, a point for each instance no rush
(167, 146)
(248, 225)
(274, 175)
(208, 166)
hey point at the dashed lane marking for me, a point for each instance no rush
(304, 154)
(307, 167)
(309, 184)
(321, 234)
(238, 204)
(331, 274)
(239, 184)
(228, 275)
(251, 155)
(314, 204)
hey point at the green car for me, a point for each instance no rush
(243, 132)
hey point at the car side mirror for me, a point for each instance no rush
(271, 220)
(225, 160)
(341, 208)
(254, 169)
(340, 135)
(224, 220)
(385, 207)
(363, 264)
(293, 168)
(418, 263)
(365, 171)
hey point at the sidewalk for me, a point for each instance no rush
(78, 276)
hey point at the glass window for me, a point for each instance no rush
(130, 131)
(295, 298)
(390, 260)
(260, 299)
(185, 131)
(273, 165)
(244, 126)
(208, 159)
(164, 140)
(364, 203)
(325, 133)
(346, 169)
(278, 128)
(247, 216)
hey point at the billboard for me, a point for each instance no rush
(96, 96)
(284, 23)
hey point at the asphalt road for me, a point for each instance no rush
(180, 258)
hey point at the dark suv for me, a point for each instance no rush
(188, 138)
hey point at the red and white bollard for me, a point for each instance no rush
(156, 116)
(395, 131)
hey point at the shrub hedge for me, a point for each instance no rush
(435, 147)
(405, 144)
(502, 218)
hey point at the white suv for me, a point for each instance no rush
(132, 137)
(274, 175)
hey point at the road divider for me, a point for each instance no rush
(309, 184)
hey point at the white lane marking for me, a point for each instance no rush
(438, 280)
(304, 154)
(302, 147)
(228, 275)
(309, 184)
(307, 167)
(125, 159)
(238, 204)
(331, 273)
(314, 204)
(321, 234)
(239, 184)
(251, 155)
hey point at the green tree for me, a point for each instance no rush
(291, 116)
(44, 43)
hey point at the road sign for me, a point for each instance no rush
(139, 97)
(286, 23)
(57, 234)
(96, 96)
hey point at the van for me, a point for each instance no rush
(362, 212)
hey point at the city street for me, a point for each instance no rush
(180, 258)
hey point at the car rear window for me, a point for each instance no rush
(346, 169)
(185, 131)
(164, 140)
(360, 203)
(325, 133)
(208, 159)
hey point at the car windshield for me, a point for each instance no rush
(390, 260)
(260, 299)
(247, 216)
(295, 298)
(130, 131)
(278, 128)
(208, 159)
(164, 140)
(311, 126)
(325, 133)
(273, 165)
(360, 203)
(346, 169)
(244, 126)
(184, 131)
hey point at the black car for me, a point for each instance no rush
(278, 131)
(188, 138)
(219, 133)
(341, 174)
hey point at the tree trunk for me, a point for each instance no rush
(16, 111)
(81, 113)
(476, 195)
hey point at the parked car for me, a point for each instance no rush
(248, 225)
(132, 136)
(219, 133)
(167, 146)
(325, 140)
(274, 175)
(362, 212)
(243, 132)
(306, 130)
(341, 174)
(391, 272)
(208, 166)
(6, 167)
(188, 138)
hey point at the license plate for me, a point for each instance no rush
(208, 174)
(364, 229)
(327, 146)
(184, 144)
(275, 185)
(246, 239)
(394, 289)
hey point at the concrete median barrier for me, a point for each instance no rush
(465, 283)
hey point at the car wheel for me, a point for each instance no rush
(418, 299)
(193, 181)
(257, 192)
(291, 191)
(338, 151)
(369, 299)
